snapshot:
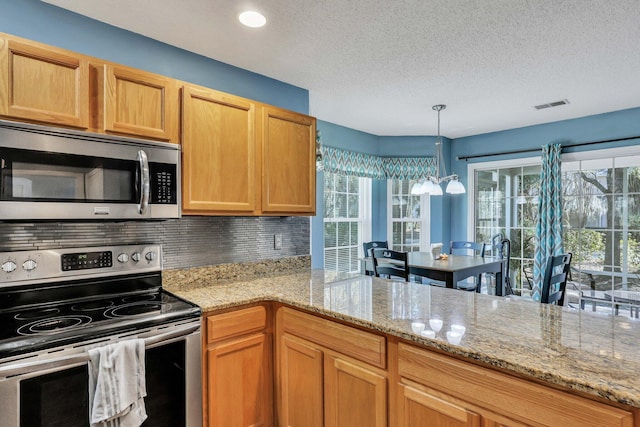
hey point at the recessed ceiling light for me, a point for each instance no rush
(252, 19)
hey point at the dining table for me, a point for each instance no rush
(451, 270)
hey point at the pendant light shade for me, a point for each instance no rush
(416, 190)
(455, 187)
(429, 187)
(431, 184)
(436, 190)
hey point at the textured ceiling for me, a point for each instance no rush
(379, 66)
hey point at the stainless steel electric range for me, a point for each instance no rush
(56, 305)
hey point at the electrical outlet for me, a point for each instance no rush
(277, 241)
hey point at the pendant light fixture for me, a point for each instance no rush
(431, 184)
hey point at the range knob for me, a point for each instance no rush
(123, 258)
(150, 256)
(135, 256)
(29, 265)
(9, 266)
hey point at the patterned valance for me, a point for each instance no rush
(409, 167)
(351, 163)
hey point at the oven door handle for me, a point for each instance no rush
(25, 368)
(78, 359)
(162, 338)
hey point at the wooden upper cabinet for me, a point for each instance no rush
(219, 153)
(288, 162)
(43, 84)
(139, 103)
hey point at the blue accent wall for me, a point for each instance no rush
(35, 20)
(618, 124)
(337, 136)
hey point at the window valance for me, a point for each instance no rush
(351, 163)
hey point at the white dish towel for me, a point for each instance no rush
(117, 384)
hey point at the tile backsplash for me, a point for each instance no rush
(186, 242)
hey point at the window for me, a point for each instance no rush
(601, 218)
(347, 220)
(601, 223)
(408, 215)
(506, 201)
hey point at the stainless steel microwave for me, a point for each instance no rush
(49, 173)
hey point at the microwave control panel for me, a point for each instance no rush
(163, 183)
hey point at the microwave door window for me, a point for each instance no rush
(22, 187)
(33, 181)
(118, 184)
(72, 178)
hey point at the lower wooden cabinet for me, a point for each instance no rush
(301, 383)
(450, 392)
(238, 369)
(419, 408)
(355, 394)
(327, 373)
(319, 386)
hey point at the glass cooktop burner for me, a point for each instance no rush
(134, 298)
(137, 309)
(53, 325)
(37, 313)
(93, 305)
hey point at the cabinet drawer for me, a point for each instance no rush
(522, 400)
(222, 326)
(360, 345)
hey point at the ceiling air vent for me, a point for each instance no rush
(551, 104)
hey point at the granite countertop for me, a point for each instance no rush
(580, 350)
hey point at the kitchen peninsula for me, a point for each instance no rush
(518, 363)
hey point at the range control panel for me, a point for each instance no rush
(86, 260)
(41, 266)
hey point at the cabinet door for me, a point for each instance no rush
(301, 384)
(218, 149)
(421, 409)
(140, 103)
(288, 161)
(354, 395)
(239, 384)
(43, 84)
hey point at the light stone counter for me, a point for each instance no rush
(591, 353)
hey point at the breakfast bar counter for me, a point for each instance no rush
(591, 354)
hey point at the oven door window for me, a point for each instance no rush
(40, 176)
(61, 398)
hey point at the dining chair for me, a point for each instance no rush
(472, 249)
(390, 263)
(504, 252)
(554, 282)
(555, 278)
(368, 247)
(496, 244)
(501, 249)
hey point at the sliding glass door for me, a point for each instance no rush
(601, 223)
